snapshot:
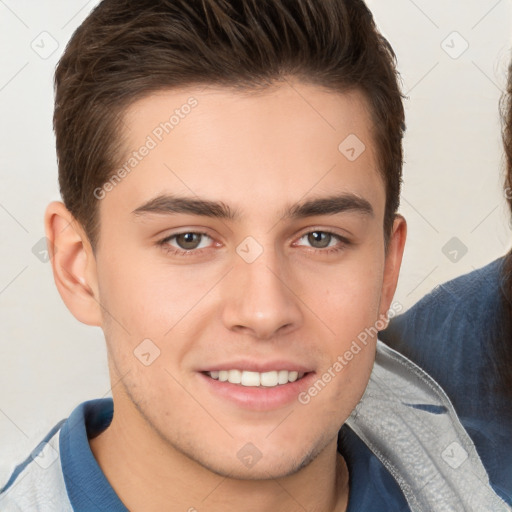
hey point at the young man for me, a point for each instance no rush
(230, 174)
(461, 333)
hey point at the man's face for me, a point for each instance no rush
(257, 285)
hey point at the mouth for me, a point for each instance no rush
(264, 391)
(252, 379)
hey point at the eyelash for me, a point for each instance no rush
(182, 252)
(342, 241)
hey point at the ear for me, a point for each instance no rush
(73, 264)
(394, 253)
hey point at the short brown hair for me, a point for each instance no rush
(127, 49)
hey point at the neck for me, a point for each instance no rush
(148, 476)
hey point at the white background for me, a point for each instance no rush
(452, 185)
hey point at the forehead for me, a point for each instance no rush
(249, 148)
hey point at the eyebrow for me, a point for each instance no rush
(170, 204)
(331, 205)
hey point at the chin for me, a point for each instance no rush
(261, 470)
(251, 464)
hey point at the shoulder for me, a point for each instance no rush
(454, 310)
(37, 483)
(404, 411)
(469, 289)
(61, 474)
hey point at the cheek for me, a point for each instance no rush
(346, 298)
(152, 297)
(168, 306)
(347, 303)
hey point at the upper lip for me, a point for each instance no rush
(258, 366)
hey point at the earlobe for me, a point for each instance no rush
(73, 264)
(393, 262)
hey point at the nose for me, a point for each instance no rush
(260, 300)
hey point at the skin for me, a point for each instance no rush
(304, 299)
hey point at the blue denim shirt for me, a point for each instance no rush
(447, 334)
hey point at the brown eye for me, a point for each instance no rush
(323, 241)
(188, 241)
(319, 239)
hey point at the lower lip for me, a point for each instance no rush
(259, 398)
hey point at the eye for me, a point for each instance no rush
(187, 242)
(321, 240)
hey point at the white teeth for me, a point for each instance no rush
(269, 379)
(235, 376)
(256, 379)
(250, 379)
(282, 377)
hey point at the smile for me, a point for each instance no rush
(256, 379)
